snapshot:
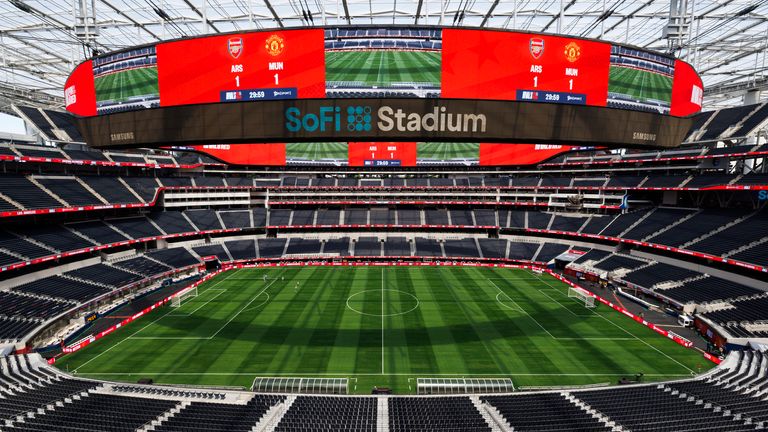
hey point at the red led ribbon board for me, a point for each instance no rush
(687, 90)
(79, 91)
(246, 154)
(519, 154)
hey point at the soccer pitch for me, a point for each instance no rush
(382, 68)
(383, 326)
(640, 84)
(120, 86)
(447, 151)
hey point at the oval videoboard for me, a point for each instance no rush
(381, 84)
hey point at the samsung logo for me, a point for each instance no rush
(643, 136)
(122, 136)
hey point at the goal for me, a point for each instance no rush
(581, 295)
(183, 295)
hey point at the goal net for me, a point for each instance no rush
(186, 294)
(580, 295)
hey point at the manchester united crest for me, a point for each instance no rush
(536, 47)
(274, 45)
(572, 52)
(235, 46)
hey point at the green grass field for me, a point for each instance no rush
(123, 85)
(383, 326)
(317, 151)
(447, 151)
(640, 84)
(382, 68)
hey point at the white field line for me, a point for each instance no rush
(293, 374)
(544, 328)
(382, 321)
(220, 328)
(627, 332)
(220, 290)
(566, 307)
(242, 309)
(145, 327)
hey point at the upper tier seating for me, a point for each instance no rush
(337, 246)
(271, 247)
(143, 266)
(176, 257)
(734, 236)
(68, 189)
(111, 189)
(13, 304)
(241, 249)
(26, 193)
(63, 288)
(368, 246)
(215, 249)
(98, 232)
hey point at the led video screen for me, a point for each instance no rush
(385, 62)
(383, 154)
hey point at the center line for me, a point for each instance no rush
(382, 321)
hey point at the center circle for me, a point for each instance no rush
(395, 302)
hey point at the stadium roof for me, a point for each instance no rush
(41, 40)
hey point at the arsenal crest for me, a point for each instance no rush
(235, 46)
(572, 52)
(536, 46)
(274, 45)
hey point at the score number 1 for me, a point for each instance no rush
(536, 82)
(237, 80)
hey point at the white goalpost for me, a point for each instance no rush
(580, 295)
(183, 295)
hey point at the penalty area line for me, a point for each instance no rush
(145, 327)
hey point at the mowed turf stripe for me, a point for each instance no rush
(369, 343)
(534, 350)
(343, 358)
(529, 347)
(447, 352)
(301, 319)
(407, 335)
(483, 354)
(334, 285)
(234, 346)
(268, 327)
